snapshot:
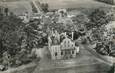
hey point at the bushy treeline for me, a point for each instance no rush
(17, 40)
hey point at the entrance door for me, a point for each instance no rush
(67, 54)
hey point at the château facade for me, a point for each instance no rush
(62, 48)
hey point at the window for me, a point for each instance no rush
(65, 45)
(62, 53)
(65, 52)
(55, 53)
(65, 42)
(72, 51)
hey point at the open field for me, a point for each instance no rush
(74, 4)
(21, 6)
(18, 7)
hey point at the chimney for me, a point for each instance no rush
(65, 34)
(72, 35)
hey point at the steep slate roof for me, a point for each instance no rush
(20, 6)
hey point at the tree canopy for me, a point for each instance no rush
(98, 18)
(11, 32)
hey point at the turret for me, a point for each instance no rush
(72, 35)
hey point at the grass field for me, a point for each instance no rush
(56, 4)
(20, 6)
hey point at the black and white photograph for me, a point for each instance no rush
(57, 36)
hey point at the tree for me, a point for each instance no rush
(10, 29)
(98, 18)
(45, 7)
(80, 20)
(36, 35)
